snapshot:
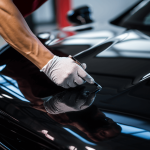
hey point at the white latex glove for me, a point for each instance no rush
(64, 72)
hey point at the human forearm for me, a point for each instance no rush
(62, 71)
(16, 32)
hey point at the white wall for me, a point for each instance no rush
(44, 13)
(105, 10)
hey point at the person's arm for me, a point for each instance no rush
(16, 32)
(63, 71)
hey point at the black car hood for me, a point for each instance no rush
(124, 98)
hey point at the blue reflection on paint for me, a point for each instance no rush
(2, 67)
(79, 137)
(134, 131)
(11, 86)
(5, 146)
(129, 129)
(14, 94)
(143, 135)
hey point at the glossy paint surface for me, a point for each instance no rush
(118, 117)
(23, 88)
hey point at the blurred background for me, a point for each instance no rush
(52, 14)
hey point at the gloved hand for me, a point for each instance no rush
(64, 72)
(69, 100)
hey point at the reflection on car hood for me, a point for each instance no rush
(116, 108)
(133, 46)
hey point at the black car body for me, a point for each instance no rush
(119, 64)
